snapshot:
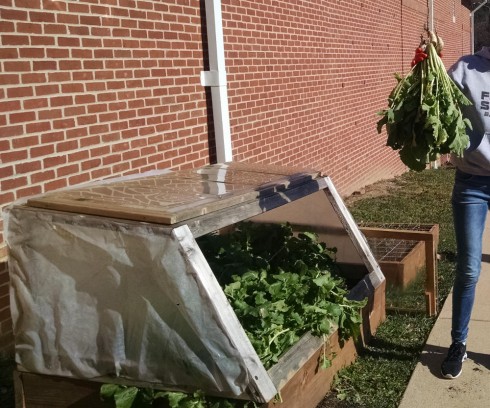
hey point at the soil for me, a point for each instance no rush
(378, 189)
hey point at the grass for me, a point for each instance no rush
(379, 376)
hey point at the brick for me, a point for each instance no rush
(38, 103)
(8, 53)
(6, 171)
(66, 146)
(111, 159)
(80, 53)
(41, 17)
(61, 100)
(54, 161)
(91, 164)
(95, 86)
(30, 52)
(90, 20)
(52, 137)
(35, 4)
(50, 114)
(33, 78)
(77, 132)
(93, 64)
(71, 65)
(13, 14)
(86, 120)
(100, 31)
(103, 53)
(20, 142)
(52, 5)
(64, 123)
(44, 65)
(67, 170)
(9, 79)
(103, 129)
(83, 76)
(57, 53)
(78, 156)
(77, 30)
(42, 150)
(55, 185)
(16, 66)
(97, 108)
(102, 173)
(43, 176)
(78, 179)
(22, 117)
(74, 111)
(29, 191)
(13, 183)
(68, 42)
(42, 90)
(55, 29)
(10, 105)
(8, 131)
(84, 99)
(67, 18)
(28, 167)
(41, 41)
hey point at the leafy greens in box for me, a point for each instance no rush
(281, 286)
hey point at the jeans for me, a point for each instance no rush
(470, 200)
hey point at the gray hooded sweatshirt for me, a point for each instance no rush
(472, 75)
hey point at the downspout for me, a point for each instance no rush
(472, 14)
(216, 79)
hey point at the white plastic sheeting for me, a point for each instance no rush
(94, 298)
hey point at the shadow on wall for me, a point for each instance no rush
(482, 27)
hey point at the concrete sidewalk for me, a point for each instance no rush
(427, 388)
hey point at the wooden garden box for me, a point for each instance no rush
(108, 284)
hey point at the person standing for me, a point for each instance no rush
(470, 200)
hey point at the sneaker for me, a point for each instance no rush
(453, 364)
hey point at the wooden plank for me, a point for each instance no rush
(294, 359)
(397, 234)
(41, 391)
(309, 385)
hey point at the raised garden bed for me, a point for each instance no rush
(118, 291)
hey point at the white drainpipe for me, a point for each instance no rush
(216, 79)
(472, 14)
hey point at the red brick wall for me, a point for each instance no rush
(306, 79)
(91, 89)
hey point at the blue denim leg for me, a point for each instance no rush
(470, 200)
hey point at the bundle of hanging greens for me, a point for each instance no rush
(424, 118)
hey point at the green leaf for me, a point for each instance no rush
(125, 397)
(109, 390)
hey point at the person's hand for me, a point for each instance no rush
(419, 56)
